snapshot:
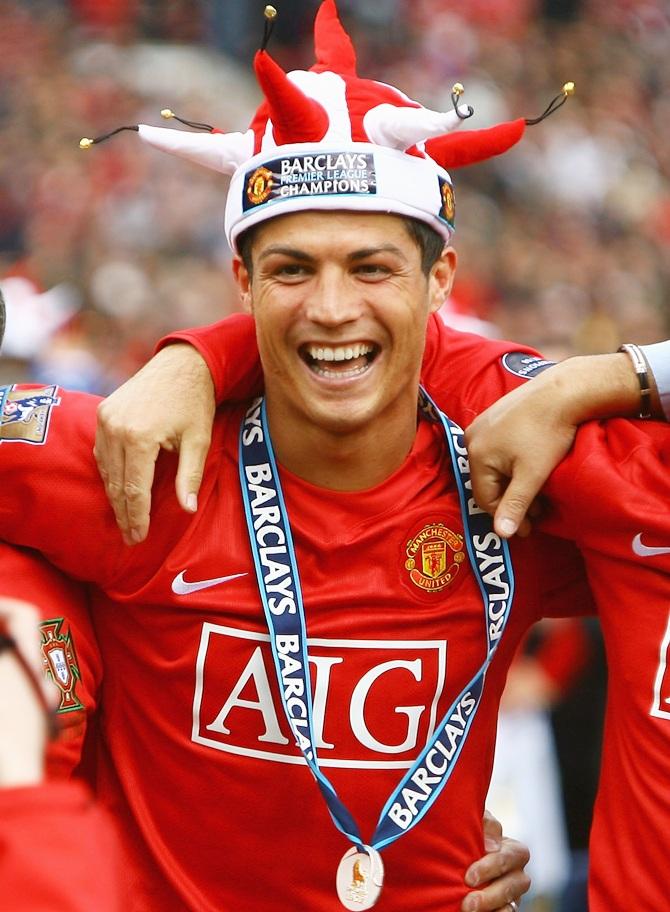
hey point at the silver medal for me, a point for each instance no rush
(359, 879)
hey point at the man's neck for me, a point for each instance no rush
(352, 461)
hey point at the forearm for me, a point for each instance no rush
(596, 386)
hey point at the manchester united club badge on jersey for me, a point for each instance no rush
(60, 663)
(360, 877)
(434, 557)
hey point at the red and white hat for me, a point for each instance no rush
(327, 139)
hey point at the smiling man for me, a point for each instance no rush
(331, 619)
(341, 301)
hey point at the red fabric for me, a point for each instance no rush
(564, 652)
(295, 117)
(58, 851)
(467, 147)
(333, 48)
(298, 118)
(614, 487)
(192, 734)
(27, 576)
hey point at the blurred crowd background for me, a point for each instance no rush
(564, 242)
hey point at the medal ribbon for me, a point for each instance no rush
(279, 587)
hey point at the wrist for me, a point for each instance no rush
(596, 386)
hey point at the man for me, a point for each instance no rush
(611, 496)
(57, 848)
(405, 674)
(178, 624)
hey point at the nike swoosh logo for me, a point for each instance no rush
(181, 587)
(645, 551)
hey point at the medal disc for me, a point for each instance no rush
(359, 879)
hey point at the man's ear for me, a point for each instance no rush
(243, 282)
(441, 278)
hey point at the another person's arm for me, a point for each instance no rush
(57, 849)
(499, 877)
(170, 403)
(517, 442)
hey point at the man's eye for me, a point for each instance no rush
(291, 271)
(372, 270)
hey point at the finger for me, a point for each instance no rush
(510, 859)
(493, 834)
(100, 452)
(140, 467)
(109, 453)
(498, 895)
(192, 457)
(515, 502)
(488, 488)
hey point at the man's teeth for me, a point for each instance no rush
(341, 353)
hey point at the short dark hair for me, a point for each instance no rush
(429, 242)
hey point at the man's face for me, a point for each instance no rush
(341, 305)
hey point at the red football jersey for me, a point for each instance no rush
(57, 851)
(217, 808)
(612, 496)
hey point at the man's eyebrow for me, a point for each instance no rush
(293, 252)
(366, 252)
(362, 254)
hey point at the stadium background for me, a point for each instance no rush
(564, 243)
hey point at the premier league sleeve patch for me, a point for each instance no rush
(25, 413)
(59, 661)
(523, 365)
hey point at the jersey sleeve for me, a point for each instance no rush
(70, 657)
(58, 850)
(551, 576)
(51, 497)
(465, 373)
(563, 651)
(614, 483)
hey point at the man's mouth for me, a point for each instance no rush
(341, 361)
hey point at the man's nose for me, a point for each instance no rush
(333, 299)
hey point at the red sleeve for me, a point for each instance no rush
(564, 651)
(52, 498)
(462, 371)
(550, 576)
(465, 373)
(67, 638)
(57, 851)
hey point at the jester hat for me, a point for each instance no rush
(326, 139)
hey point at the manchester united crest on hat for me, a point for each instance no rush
(434, 557)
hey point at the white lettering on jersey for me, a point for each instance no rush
(357, 710)
(359, 720)
(661, 704)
